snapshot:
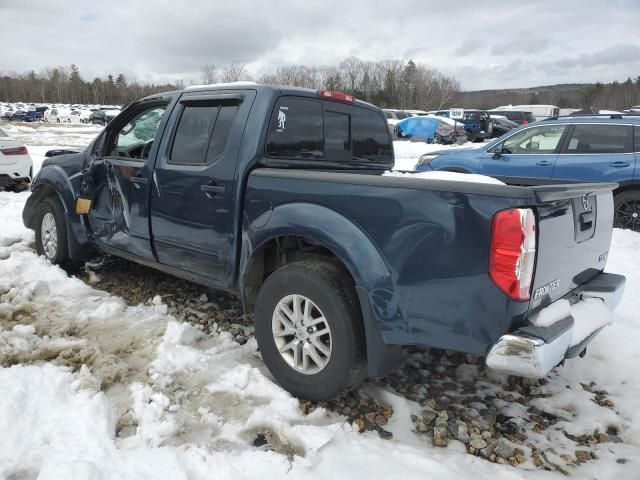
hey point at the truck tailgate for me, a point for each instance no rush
(575, 224)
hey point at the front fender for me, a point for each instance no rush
(53, 180)
(382, 317)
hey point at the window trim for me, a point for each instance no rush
(565, 143)
(188, 102)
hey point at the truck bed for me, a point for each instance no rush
(427, 244)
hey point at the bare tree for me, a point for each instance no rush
(208, 74)
(235, 72)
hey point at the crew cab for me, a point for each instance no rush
(277, 195)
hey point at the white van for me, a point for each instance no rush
(539, 111)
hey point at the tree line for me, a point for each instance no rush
(386, 83)
(596, 96)
(66, 85)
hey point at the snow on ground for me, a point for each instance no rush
(91, 388)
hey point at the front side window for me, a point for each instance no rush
(202, 133)
(636, 148)
(296, 129)
(600, 139)
(134, 140)
(534, 141)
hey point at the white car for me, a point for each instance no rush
(16, 166)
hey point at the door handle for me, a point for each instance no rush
(211, 191)
(544, 163)
(139, 180)
(212, 188)
(619, 164)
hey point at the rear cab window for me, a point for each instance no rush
(328, 131)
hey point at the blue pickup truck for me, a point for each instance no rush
(277, 196)
(570, 149)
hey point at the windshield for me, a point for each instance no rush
(2, 133)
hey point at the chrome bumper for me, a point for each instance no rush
(534, 351)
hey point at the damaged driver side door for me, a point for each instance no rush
(121, 177)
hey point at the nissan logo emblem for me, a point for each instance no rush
(585, 203)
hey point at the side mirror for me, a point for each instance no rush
(497, 153)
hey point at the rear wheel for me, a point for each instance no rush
(51, 232)
(627, 210)
(309, 330)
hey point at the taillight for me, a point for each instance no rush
(513, 251)
(344, 97)
(14, 151)
(525, 122)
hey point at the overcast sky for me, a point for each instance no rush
(483, 43)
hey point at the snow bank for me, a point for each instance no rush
(449, 176)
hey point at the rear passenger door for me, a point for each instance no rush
(597, 152)
(192, 199)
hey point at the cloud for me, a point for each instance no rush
(486, 45)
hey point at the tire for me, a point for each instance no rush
(333, 299)
(627, 210)
(469, 137)
(51, 209)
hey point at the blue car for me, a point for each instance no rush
(593, 149)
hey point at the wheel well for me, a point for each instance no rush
(277, 253)
(39, 195)
(626, 188)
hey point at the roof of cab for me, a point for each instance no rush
(277, 90)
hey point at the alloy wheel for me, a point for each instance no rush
(301, 334)
(49, 235)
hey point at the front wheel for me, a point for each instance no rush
(627, 210)
(309, 329)
(51, 232)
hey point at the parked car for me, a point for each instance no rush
(394, 116)
(501, 125)
(477, 123)
(278, 195)
(518, 116)
(570, 149)
(16, 166)
(539, 112)
(430, 129)
(26, 116)
(102, 117)
(416, 113)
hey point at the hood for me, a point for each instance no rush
(450, 151)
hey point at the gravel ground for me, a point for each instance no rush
(495, 417)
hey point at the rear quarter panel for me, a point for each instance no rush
(420, 254)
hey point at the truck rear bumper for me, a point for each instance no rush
(533, 351)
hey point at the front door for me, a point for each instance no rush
(526, 157)
(121, 176)
(192, 198)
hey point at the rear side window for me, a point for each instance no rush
(202, 133)
(311, 129)
(296, 129)
(600, 139)
(370, 137)
(637, 141)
